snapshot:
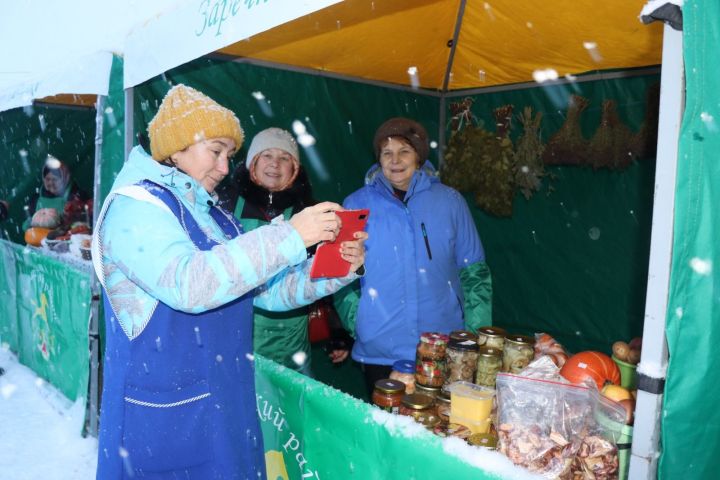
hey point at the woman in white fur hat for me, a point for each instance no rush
(271, 183)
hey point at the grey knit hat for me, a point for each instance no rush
(410, 130)
(272, 138)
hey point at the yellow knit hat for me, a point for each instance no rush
(187, 116)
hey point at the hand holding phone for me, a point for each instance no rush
(328, 261)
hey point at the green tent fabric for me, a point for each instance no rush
(27, 135)
(342, 116)
(572, 260)
(113, 130)
(582, 240)
(690, 418)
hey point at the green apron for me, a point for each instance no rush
(278, 335)
(58, 203)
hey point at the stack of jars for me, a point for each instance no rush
(420, 388)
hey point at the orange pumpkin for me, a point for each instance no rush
(595, 365)
(34, 235)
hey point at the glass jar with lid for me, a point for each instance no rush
(404, 370)
(463, 335)
(518, 352)
(388, 394)
(442, 404)
(430, 359)
(489, 364)
(461, 360)
(432, 392)
(420, 407)
(491, 337)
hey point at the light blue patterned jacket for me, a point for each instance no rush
(143, 256)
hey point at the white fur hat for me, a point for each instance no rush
(272, 138)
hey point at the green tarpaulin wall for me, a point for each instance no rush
(572, 262)
(312, 431)
(27, 135)
(691, 422)
(48, 329)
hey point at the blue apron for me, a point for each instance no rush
(179, 400)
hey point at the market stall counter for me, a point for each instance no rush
(45, 305)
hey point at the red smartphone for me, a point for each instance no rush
(327, 261)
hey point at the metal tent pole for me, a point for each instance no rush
(446, 80)
(653, 364)
(93, 330)
(129, 125)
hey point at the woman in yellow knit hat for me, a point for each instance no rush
(180, 279)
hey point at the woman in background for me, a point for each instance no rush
(45, 208)
(425, 264)
(272, 183)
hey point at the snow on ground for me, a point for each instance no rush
(40, 429)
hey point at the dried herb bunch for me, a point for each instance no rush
(610, 146)
(568, 146)
(528, 166)
(480, 162)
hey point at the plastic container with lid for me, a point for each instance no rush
(461, 357)
(430, 359)
(518, 353)
(388, 394)
(489, 364)
(491, 337)
(471, 405)
(404, 370)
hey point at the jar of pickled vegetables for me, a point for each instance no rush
(388, 394)
(461, 360)
(430, 359)
(404, 370)
(518, 352)
(420, 407)
(463, 335)
(491, 337)
(489, 364)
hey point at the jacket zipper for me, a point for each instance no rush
(425, 237)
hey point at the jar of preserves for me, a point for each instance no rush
(491, 337)
(463, 335)
(388, 394)
(461, 360)
(442, 404)
(489, 364)
(421, 408)
(487, 440)
(404, 370)
(430, 359)
(518, 352)
(432, 392)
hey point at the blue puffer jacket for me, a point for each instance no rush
(415, 254)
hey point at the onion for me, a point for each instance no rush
(621, 350)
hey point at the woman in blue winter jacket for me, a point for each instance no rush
(180, 279)
(425, 264)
